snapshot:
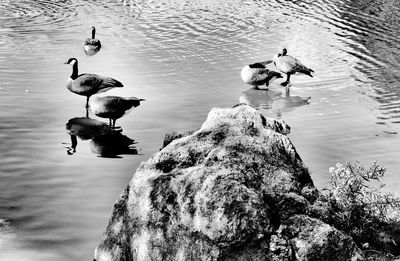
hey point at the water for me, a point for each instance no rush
(184, 58)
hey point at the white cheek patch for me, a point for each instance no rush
(72, 62)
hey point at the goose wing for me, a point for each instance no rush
(289, 61)
(260, 65)
(257, 66)
(260, 72)
(116, 103)
(96, 82)
(291, 64)
(95, 42)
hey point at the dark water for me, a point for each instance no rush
(184, 58)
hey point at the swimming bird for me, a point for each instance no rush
(92, 45)
(113, 107)
(290, 65)
(87, 84)
(257, 74)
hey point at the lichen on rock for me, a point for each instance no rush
(232, 190)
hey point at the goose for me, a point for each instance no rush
(257, 74)
(290, 65)
(92, 45)
(113, 107)
(87, 84)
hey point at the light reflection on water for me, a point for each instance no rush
(184, 58)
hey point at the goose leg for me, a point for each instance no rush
(74, 142)
(109, 122)
(114, 120)
(87, 112)
(87, 102)
(287, 80)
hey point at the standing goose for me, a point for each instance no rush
(92, 45)
(290, 65)
(87, 84)
(257, 74)
(113, 107)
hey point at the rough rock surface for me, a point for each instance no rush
(235, 189)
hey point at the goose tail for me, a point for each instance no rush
(309, 71)
(110, 82)
(118, 83)
(135, 101)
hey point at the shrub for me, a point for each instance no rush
(359, 207)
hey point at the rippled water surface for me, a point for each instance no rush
(59, 181)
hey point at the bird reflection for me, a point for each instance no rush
(86, 128)
(105, 141)
(74, 142)
(270, 99)
(259, 98)
(112, 144)
(288, 102)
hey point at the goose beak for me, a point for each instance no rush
(66, 62)
(142, 99)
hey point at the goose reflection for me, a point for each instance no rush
(270, 99)
(105, 141)
(288, 102)
(259, 98)
(113, 144)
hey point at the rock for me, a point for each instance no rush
(313, 239)
(223, 192)
(279, 249)
(169, 137)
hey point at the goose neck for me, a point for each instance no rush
(74, 74)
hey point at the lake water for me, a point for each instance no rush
(184, 58)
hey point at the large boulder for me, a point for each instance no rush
(235, 189)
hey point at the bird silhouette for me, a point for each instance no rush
(87, 84)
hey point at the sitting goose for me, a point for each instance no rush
(257, 74)
(87, 84)
(113, 107)
(92, 45)
(290, 65)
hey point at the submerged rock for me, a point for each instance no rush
(236, 189)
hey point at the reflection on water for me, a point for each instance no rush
(273, 100)
(104, 141)
(259, 98)
(288, 103)
(113, 144)
(91, 52)
(86, 128)
(185, 57)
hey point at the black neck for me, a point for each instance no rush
(74, 74)
(93, 33)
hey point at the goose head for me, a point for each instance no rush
(74, 63)
(283, 53)
(71, 61)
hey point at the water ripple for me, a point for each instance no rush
(32, 16)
